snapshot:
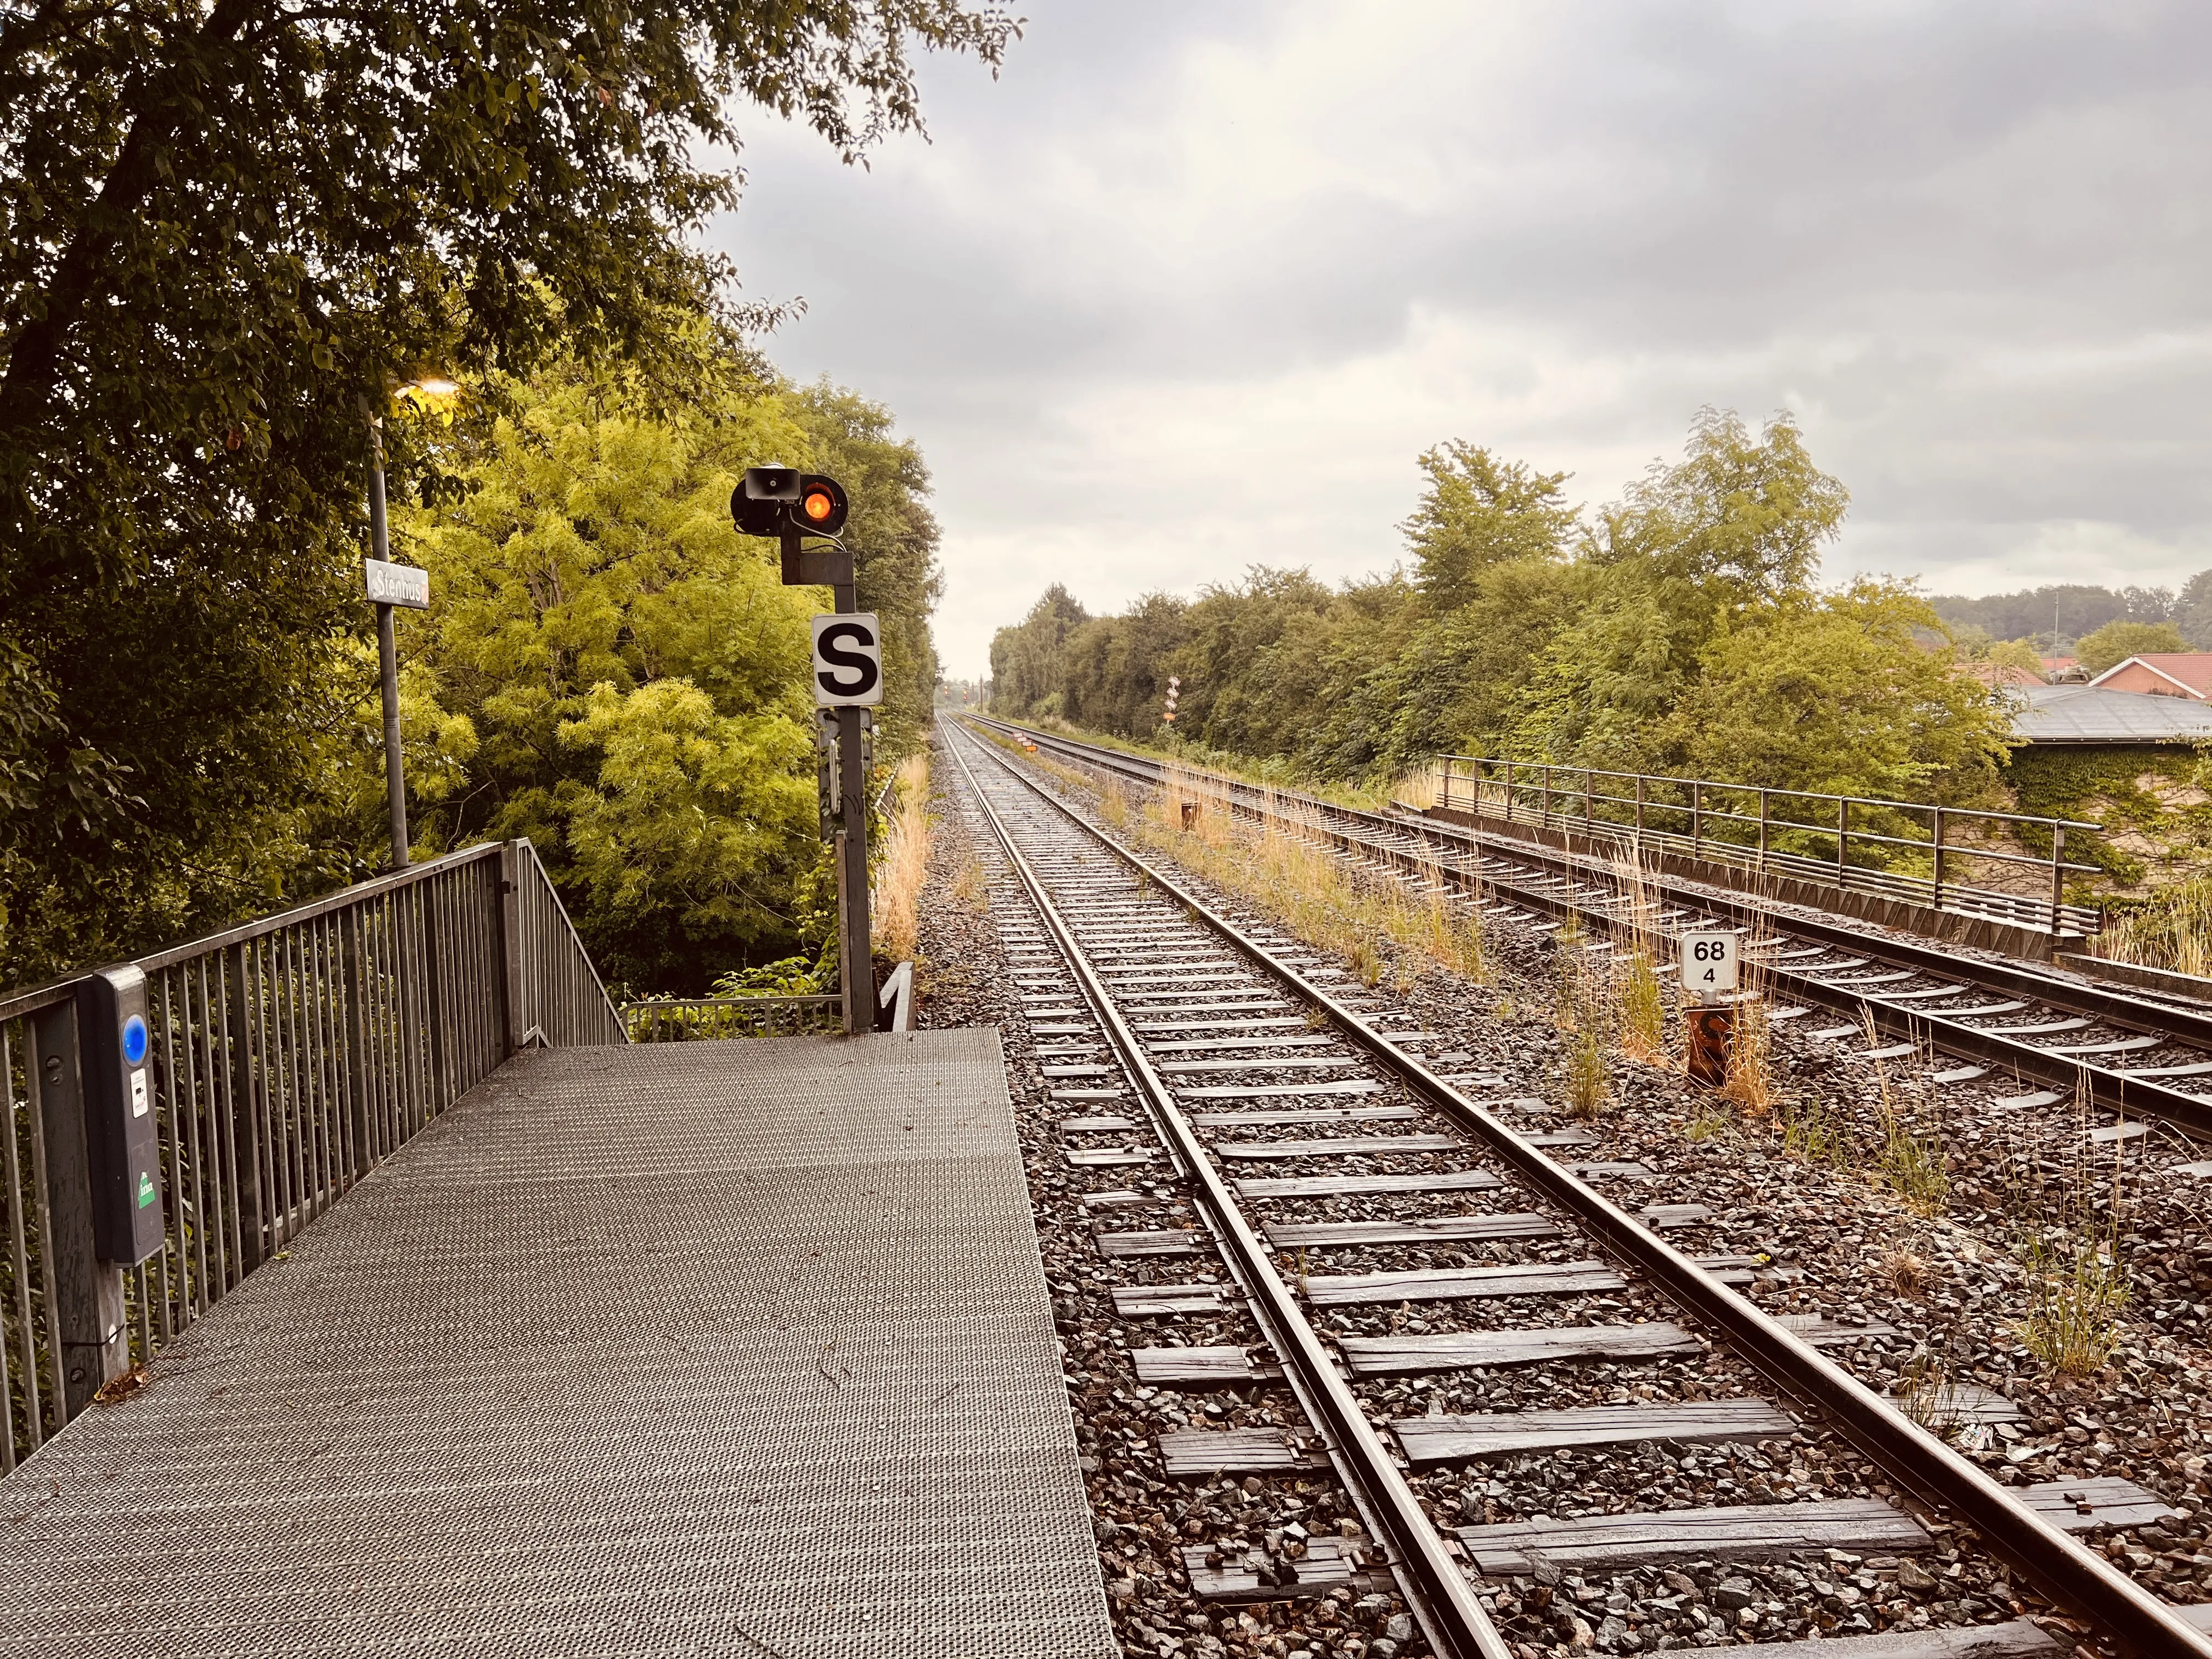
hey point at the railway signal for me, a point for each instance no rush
(769, 500)
(848, 679)
(1175, 686)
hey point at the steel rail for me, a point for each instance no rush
(2108, 1086)
(1435, 1588)
(2070, 1574)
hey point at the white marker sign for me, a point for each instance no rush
(397, 584)
(1708, 963)
(849, 661)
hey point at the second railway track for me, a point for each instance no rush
(2131, 1052)
(1207, 1060)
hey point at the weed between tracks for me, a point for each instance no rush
(2069, 1247)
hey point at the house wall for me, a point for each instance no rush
(2135, 676)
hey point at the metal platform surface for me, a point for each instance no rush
(689, 1349)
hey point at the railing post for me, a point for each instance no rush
(1697, 817)
(511, 987)
(245, 1113)
(1762, 831)
(1547, 796)
(88, 1292)
(441, 1089)
(365, 1151)
(1509, 792)
(1589, 801)
(1843, 835)
(2058, 874)
(1939, 858)
(1639, 810)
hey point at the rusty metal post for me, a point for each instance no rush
(1711, 1032)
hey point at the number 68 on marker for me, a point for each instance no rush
(1708, 963)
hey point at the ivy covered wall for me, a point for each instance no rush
(2155, 804)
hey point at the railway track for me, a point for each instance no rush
(2054, 1033)
(1218, 1070)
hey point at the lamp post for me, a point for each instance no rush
(391, 584)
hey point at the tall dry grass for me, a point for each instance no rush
(1288, 867)
(1637, 991)
(905, 863)
(1416, 788)
(2173, 931)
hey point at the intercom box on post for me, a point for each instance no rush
(122, 1138)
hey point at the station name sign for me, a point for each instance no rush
(397, 584)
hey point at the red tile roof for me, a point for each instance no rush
(2188, 671)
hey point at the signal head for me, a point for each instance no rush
(775, 500)
(821, 505)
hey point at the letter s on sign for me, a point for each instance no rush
(848, 660)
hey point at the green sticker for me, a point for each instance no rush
(146, 1192)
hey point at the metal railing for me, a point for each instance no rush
(286, 1057)
(1909, 851)
(712, 1020)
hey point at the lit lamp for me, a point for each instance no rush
(391, 584)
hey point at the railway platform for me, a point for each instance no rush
(688, 1349)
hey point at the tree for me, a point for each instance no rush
(1835, 694)
(612, 670)
(1737, 526)
(229, 227)
(2192, 611)
(2116, 642)
(1478, 512)
(1028, 662)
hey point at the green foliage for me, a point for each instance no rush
(2155, 803)
(2192, 611)
(2116, 642)
(1831, 694)
(613, 672)
(1480, 512)
(1734, 528)
(2013, 653)
(1679, 631)
(226, 231)
(1028, 661)
(2053, 617)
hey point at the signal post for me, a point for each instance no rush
(848, 686)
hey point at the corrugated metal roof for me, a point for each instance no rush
(2089, 713)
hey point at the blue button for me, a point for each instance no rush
(134, 1040)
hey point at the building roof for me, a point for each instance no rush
(2089, 713)
(2190, 671)
(1991, 673)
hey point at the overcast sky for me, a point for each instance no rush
(1189, 287)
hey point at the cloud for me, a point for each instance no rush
(1187, 289)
